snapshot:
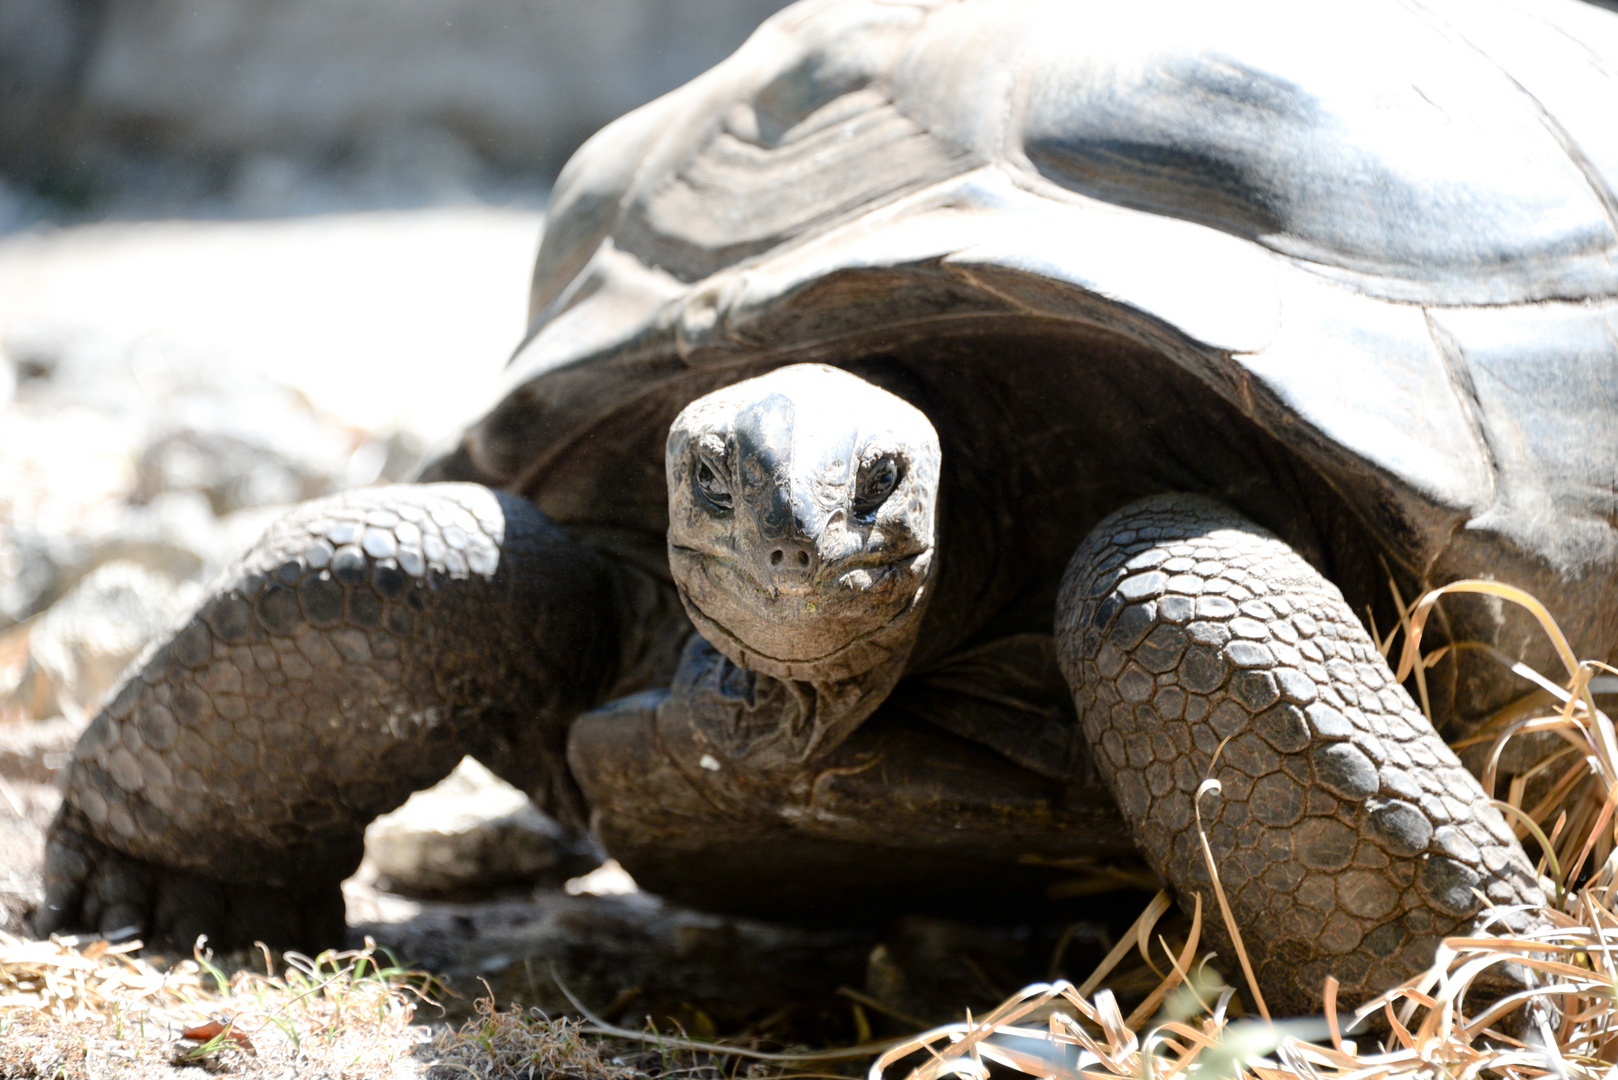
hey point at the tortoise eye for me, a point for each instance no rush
(714, 490)
(876, 482)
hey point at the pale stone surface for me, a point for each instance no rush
(174, 384)
(397, 101)
(472, 831)
(84, 642)
(608, 879)
(382, 321)
(166, 388)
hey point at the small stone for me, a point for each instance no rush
(470, 832)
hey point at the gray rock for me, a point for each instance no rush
(29, 575)
(32, 752)
(413, 98)
(473, 831)
(84, 642)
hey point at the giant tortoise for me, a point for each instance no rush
(1022, 402)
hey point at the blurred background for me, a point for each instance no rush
(251, 252)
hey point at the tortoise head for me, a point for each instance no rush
(801, 521)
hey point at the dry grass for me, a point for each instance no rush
(71, 1009)
(519, 1045)
(64, 1006)
(1430, 1026)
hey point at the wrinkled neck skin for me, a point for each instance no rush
(802, 534)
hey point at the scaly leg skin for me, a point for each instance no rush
(883, 821)
(1348, 837)
(353, 656)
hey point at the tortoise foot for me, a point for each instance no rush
(90, 887)
(1348, 836)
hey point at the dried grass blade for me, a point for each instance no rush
(1506, 1005)
(1212, 786)
(1147, 1008)
(1595, 833)
(1330, 1005)
(1148, 918)
(1424, 607)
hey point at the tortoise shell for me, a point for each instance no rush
(1353, 269)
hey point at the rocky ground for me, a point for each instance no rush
(166, 388)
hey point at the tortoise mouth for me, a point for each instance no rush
(856, 574)
(845, 621)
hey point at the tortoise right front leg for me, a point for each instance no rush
(1348, 837)
(352, 657)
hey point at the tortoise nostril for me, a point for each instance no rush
(793, 561)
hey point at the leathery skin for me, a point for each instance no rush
(353, 656)
(1348, 837)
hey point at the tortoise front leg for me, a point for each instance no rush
(1348, 837)
(353, 656)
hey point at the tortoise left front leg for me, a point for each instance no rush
(1348, 837)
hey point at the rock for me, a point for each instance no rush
(87, 639)
(28, 574)
(608, 879)
(146, 348)
(30, 755)
(471, 832)
(411, 99)
(33, 752)
(156, 416)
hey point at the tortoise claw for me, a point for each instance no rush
(90, 887)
